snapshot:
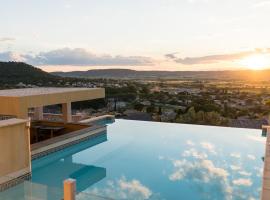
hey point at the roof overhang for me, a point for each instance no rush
(15, 101)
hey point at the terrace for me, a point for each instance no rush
(128, 159)
(18, 103)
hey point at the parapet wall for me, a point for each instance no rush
(15, 162)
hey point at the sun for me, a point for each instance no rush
(255, 62)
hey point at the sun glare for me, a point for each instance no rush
(256, 62)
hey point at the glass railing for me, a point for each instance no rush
(32, 191)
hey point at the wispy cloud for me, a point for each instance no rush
(235, 155)
(208, 146)
(194, 153)
(198, 1)
(251, 157)
(244, 173)
(6, 39)
(123, 189)
(171, 55)
(242, 182)
(235, 167)
(261, 4)
(210, 59)
(80, 57)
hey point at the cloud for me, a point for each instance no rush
(205, 175)
(135, 186)
(257, 138)
(259, 171)
(161, 157)
(211, 59)
(11, 56)
(203, 170)
(67, 6)
(244, 173)
(242, 182)
(261, 4)
(194, 153)
(235, 167)
(190, 143)
(6, 39)
(208, 146)
(124, 189)
(171, 55)
(251, 157)
(198, 1)
(82, 57)
(235, 155)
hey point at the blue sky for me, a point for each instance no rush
(85, 34)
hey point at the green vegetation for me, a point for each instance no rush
(203, 118)
(16, 72)
(207, 102)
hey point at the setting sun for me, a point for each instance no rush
(256, 62)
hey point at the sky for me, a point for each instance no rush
(67, 35)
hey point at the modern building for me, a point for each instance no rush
(23, 138)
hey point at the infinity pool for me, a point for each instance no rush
(149, 160)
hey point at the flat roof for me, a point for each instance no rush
(40, 91)
(17, 101)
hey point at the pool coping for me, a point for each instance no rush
(95, 119)
(47, 147)
(14, 179)
(52, 145)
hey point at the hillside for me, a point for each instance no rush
(16, 72)
(132, 74)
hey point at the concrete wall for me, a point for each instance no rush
(14, 149)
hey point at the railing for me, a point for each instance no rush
(57, 117)
(70, 192)
(29, 190)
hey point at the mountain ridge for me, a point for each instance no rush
(136, 74)
(15, 72)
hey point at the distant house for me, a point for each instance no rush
(136, 115)
(248, 123)
(146, 103)
(112, 104)
(168, 115)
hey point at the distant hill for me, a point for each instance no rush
(16, 72)
(132, 74)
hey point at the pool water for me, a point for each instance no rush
(106, 121)
(149, 160)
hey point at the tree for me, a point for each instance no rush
(138, 106)
(267, 103)
(201, 117)
(150, 109)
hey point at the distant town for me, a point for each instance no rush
(234, 103)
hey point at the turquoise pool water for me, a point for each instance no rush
(106, 121)
(148, 160)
